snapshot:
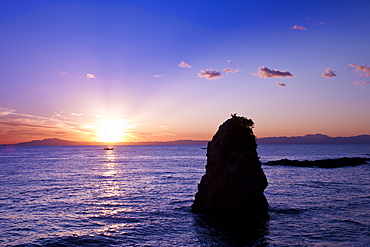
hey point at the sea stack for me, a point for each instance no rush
(234, 181)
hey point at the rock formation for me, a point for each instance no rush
(234, 181)
(326, 163)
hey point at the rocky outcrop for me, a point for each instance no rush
(326, 163)
(234, 181)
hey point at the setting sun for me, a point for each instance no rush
(110, 130)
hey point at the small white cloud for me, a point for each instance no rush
(265, 72)
(359, 83)
(328, 73)
(163, 127)
(231, 70)
(229, 63)
(90, 76)
(209, 74)
(63, 73)
(157, 76)
(360, 70)
(281, 84)
(297, 27)
(184, 65)
(59, 115)
(76, 114)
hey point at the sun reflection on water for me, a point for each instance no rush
(110, 187)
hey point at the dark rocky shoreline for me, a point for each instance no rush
(325, 163)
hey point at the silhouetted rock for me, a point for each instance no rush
(234, 181)
(315, 139)
(326, 163)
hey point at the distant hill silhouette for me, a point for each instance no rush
(60, 142)
(307, 139)
(49, 142)
(315, 139)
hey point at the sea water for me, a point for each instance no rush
(141, 196)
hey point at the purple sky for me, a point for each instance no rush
(169, 70)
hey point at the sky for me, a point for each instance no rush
(142, 70)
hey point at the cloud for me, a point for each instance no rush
(59, 115)
(358, 83)
(209, 74)
(265, 72)
(63, 73)
(298, 27)
(281, 84)
(360, 70)
(90, 76)
(5, 111)
(19, 127)
(76, 114)
(184, 65)
(157, 76)
(328, 73)
(163, 127)
(230, 70)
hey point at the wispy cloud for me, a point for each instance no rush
(328, 73)
(157, 76)
(184, 65)
(28, 127)
(19, 127)
(281, 84)
(209, 74)
(265, 72)
(90, 76)
(63, 73)
(154, 137)
(230, 70)
(59, 115)
(360, 70)
(163, 127)
(359, 83)
(5, 111)
(297, 27)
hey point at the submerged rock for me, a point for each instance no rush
(326, 163)
(234, 181)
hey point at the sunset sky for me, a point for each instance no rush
(135, 70)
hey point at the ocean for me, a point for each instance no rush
(141, 196)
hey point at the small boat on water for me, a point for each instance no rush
(107, 148)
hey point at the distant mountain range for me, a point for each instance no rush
(307, 139)
(60, 142)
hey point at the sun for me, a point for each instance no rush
(111, 130)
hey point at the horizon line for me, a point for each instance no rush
(96, 143)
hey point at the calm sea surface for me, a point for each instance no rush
(141, 196)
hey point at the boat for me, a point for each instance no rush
(108, 148)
